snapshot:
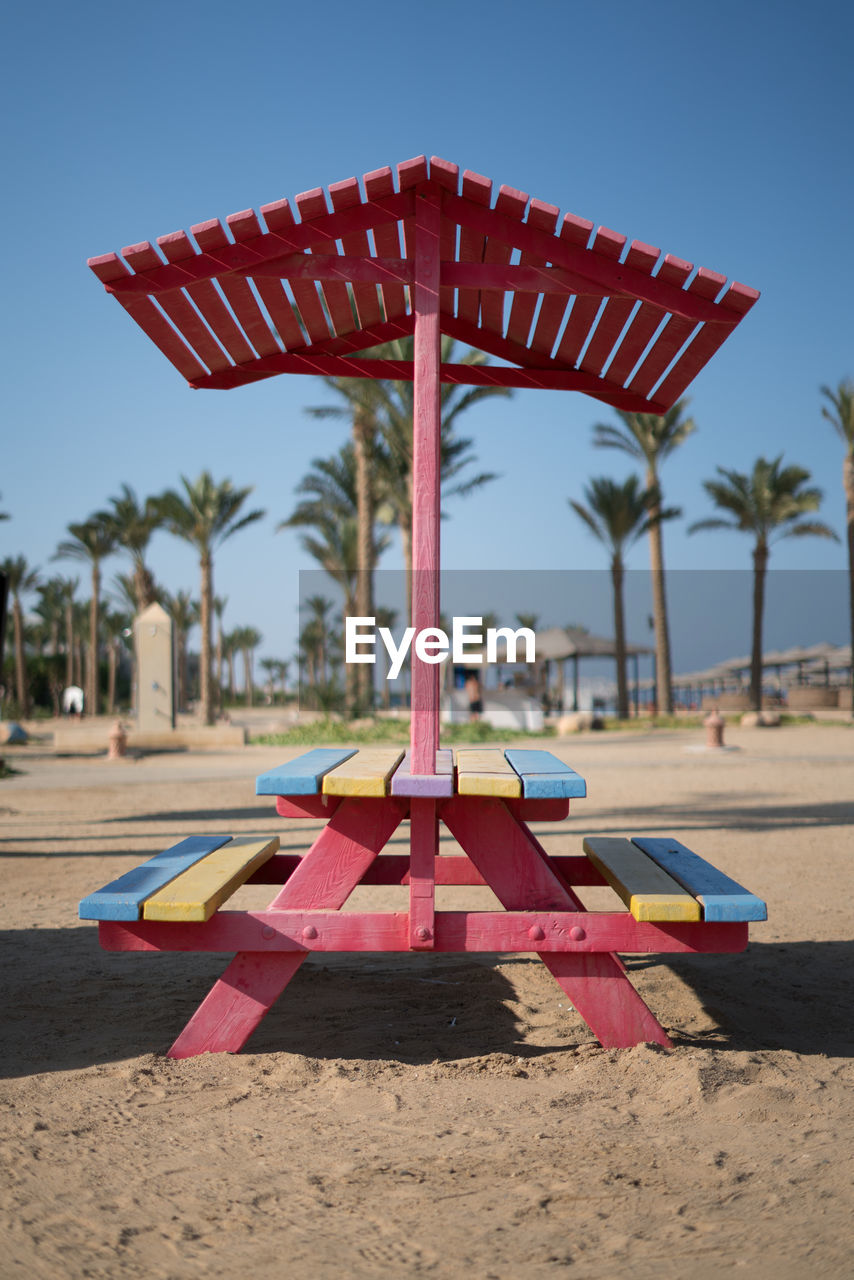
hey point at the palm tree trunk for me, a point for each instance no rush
(21, 689)
(664, 687)
(112, 662)
(219, 665)
(93, 693)
(760, 566)
(69, 642)
(247, 676)
(205, 693)
(617, 574)
(848, 482)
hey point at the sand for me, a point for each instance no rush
(435, 1116)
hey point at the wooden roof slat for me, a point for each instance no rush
(645, 322)
(576, 231)
(280, 219)
(544, 217)
(328, 366)
(478, 190)
(212, 237)
(348, 344)
(178, 248)
(335, 294)
(109, 268)
(617, 311)
(245, 227)
(739, 299)
(446, 176)
(379, 184)
(347, 195)
(607, 245)
(597, 267)
(676, 332)
(176, 304)
(312, 288)
(511, 205)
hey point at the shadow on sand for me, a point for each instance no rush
(70, 1005)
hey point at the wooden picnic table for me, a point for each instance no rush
(422, 253)
(674, 901)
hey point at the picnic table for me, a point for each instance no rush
(425, 252)
(673, 900)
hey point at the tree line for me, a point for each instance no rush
(348, 502)
(203, 513)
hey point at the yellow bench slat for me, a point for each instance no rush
(198, 892)
(367, 773)
(648, 892)
(481, 772)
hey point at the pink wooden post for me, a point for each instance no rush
(426, 470)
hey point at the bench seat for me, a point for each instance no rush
(659, 879)
(189, 881)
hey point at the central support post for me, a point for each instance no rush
(426, 473)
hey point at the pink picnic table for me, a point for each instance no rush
(425, 251)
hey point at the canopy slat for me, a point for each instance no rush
(246, 300)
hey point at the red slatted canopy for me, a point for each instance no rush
(313, 289)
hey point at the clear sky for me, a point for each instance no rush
(719, 132)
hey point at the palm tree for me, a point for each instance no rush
(770, 504)
(205, 515)
(184, 612)
(92, 541)
(219, 603)
(619, 514)
(840, 414)
(248, 640)
(21, 579)
(650, 439)
(117, 626)
(329, 511)
(386, 410)
(4, 515)
(133, 524)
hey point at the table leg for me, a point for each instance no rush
(516, 869)
(325, 878)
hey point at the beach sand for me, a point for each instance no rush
(435, 1116)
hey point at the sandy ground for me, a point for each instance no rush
(436, 1116)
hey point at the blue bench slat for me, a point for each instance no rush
(123, 899)
(720, 897)
(302, 776)
(544, 776)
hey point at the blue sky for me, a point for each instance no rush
(721, 133)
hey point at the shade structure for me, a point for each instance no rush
(424, 251)
(310, 288)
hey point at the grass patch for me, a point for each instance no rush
(395, 732)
